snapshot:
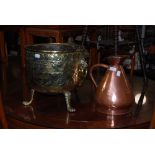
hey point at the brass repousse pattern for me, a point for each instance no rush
(59, 70)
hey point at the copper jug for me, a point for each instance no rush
(114, 94)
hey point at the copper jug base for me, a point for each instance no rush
(108, 111)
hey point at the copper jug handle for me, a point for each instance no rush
(91, 72)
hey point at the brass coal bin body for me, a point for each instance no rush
(56, 68)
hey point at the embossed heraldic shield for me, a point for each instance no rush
(113, 93)
(56, 68)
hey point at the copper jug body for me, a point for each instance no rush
(114, 94)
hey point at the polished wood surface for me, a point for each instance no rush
(49, 110)
(3, 49)
(3, 121)
(152, 124)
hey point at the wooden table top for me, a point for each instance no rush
(49, 110)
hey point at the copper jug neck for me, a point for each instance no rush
(116, 60)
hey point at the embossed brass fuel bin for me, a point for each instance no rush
(56, 68)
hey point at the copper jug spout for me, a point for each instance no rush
(114, 94)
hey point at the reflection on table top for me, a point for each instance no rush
(49, 110)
